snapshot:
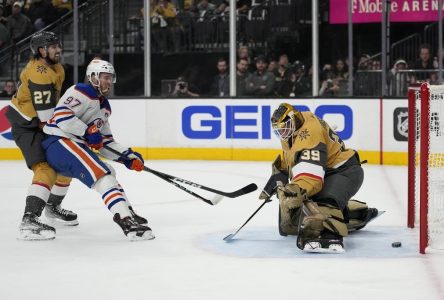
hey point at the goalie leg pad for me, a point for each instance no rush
(322, 217)
(289, 221)
(322, 228)
(359, 215)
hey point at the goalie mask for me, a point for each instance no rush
(93, 71)
(286, 120)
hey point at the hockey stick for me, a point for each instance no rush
(229, 237)
(173, 180)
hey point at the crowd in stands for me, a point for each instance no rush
(19, 19)
(260, 75)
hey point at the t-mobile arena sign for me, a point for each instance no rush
(369, 11)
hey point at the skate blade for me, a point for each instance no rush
(315, 247)
(55, 221)
(147, 235)
(27, 235)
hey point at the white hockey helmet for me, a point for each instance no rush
(97, 66)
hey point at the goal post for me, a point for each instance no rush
(426, 164)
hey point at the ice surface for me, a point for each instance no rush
(189, 260)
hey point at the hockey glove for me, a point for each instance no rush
(277, 175)
(93, 137)
(291, 195)
(132, 160)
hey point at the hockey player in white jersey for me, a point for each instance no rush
(80, 122)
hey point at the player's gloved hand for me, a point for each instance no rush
(93, 137)
(291, 195)
(132, 160)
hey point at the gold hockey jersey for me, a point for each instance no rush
(313, 149)
(39, 90)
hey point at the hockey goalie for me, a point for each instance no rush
(315, 178)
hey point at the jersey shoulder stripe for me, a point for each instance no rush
(87, 90)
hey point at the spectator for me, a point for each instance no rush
(205, 7)
(5, 38)
(376, 64)
(341, 69)
(365, 62)
(244, 52)
(367, 82)
(183, 89)
(273, 66)
(423, 63)
(300, 83)
(327, 72)
(164, 26)
(62, 7)
(283, 77)
(9, 89)
(330, 88)
(8, 8)
(41, 13)
(242, 6)
(3, 17)
(398, 81)
(261, 82)
(221, 82)
(241, 76)
(19, 25)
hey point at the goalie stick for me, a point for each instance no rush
(229, 237)
(174, 180)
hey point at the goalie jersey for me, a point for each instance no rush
(312, 150)
(79, 107)
(38, 91)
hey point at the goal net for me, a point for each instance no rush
(426, 164)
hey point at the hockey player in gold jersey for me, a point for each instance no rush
(322, 175)
(30, 108)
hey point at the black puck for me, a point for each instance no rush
(396, 244)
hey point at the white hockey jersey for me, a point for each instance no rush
(79, 107)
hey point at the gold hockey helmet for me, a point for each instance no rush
(286, 120)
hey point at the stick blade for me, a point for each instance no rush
(228, 238)
(245, 190)
(217, 199)
(250, 188)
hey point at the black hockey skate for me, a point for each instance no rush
(31, 229)
(55, 214)
(327, 242)
(138, 219)
(133, 230)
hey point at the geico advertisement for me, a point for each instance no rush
(246, 123)
(210, 123)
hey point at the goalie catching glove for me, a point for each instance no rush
(132, 160)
